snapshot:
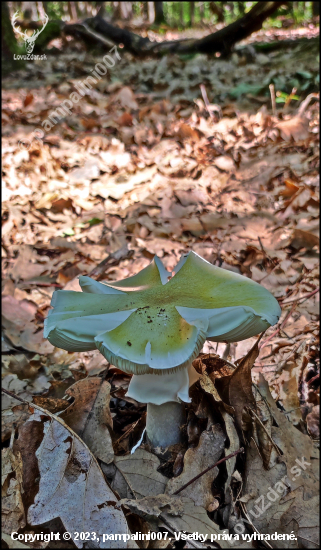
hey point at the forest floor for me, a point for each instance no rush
(145, 164)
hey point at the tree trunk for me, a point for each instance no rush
(181, 13)
(231, 6)
(72, 11)
(241, 7)
(29, 10)
(315, 9)
(116, 12)
(100, 7)
(126, 10)
(42, 9)
(89, 8)
(217, 10)
(191, 13)
(201, 10)
(151, 12)
(145, 11)
(159, 13)
(9, 43)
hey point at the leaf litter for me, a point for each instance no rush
(143, 166)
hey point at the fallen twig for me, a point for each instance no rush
(16, 396)
(241, 450)
(279, 327)
(306, 102)
(121, 254)
(295, 349)
(304, 297)
(245, 512)
(313, 379)
(208, 105)
(263, 250)
(130, 429)
(272, 92)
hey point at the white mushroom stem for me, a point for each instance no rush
(165, 395)
(164, 423)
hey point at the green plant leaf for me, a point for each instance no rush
(69, 232)
(244, 88)
(94, 221)
(305, 74)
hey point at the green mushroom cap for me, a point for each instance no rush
(147, 324)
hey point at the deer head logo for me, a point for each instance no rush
(29, 40)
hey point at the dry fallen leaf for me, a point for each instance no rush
(13, 514)
(224, 163)
(236, 389)
(178, 514)
(89, 416)
(296, 128)
(208, 451)
(294, 445)
(259, 484)
(126, 98)
(12, 543)
(304, 515)
(13, 412)
(313, 422)
(194, 520)
(284, 491)
(186, 132)
(70, 484)
(304, 239)
(140, 473)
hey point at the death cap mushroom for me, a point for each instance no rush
(147, 324)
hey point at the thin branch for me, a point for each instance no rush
(130, 429)
(294, 350)
(279, 327)
(313, 379)
(245, 512)
(305, 103)
(263, 250)
(16, 397)
(226, 351)
(241, 450)
(272, 92)
(288, 412)
(304, 297)
(98, 37)
(112, 259)
(207, 103)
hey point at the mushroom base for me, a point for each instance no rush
(164, 422)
